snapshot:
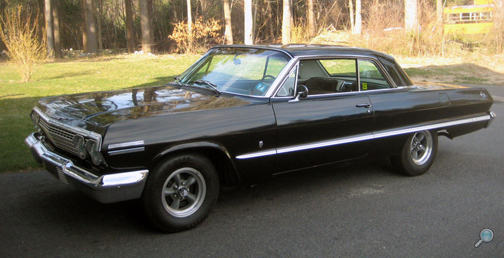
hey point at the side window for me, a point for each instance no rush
(340, 67)
(289, 86)
(370, 76)
(339, 75)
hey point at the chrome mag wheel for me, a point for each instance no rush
(183, 192)
(421, 147)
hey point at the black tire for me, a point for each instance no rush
(180, 192)
(417, 154)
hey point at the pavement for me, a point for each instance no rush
(359, 210)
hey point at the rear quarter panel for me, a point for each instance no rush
(413, 106)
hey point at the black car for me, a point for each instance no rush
(242, 114)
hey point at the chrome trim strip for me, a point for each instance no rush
(257, 154)
(81, 174)
(125, 151)
(125, 144)
(357, 138)
(75, 130)
(124, 178)
(370, 136)
(387, 133)
(492, 117)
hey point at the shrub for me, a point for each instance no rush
(203, 34)
(19, 33)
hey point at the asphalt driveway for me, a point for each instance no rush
(352, 211)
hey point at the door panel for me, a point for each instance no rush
(322, 129)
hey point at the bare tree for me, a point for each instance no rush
(99, 15)
(189, 26)
(49, 28)
(352, 15)
(56, 30)
(311, 19)
(355, 16)
(286, 22)
(249, 37)
(83, 28)
(228, 32)
(130, 36)
(92, 41)
(145, 22)
(411, 16)
(358, 17)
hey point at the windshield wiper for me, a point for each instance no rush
(208, 85)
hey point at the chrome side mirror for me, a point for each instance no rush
(302, 93)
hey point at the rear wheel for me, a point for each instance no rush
(418, 154)
(181, 192)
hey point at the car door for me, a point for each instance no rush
(324, 127)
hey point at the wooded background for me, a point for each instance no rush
(184, 25)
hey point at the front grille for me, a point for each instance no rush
(60, 137)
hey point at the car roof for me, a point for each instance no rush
(296, 50)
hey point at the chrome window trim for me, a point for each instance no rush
(75, 130)
(282, 76)
(278, 83)
(296, 66)
(369, 136)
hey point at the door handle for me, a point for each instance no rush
(367, 105)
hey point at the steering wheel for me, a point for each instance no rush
(268, 76)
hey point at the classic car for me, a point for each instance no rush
(242, 114)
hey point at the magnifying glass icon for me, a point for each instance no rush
(486, 236)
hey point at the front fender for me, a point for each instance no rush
(205, 148)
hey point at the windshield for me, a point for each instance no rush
(244, 71)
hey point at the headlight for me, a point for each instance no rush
(92, 149)
(78, 142)
(36, 119)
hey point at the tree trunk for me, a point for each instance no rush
(228, 32)
(411, 16)
(189, 27)
(439, 14)
(147, 35)
(439, 11)
(49, 28)
(204, 8)
(311, 19)
(130, 36)
(249, 37)
(58, 53)
(286, 22)
(92, 41)
(83, 28)
(352, 17)
(3, 5)
(358, 17)
(98, 21)
(40, 21)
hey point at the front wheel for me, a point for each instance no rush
(418, 154)
(181, 192)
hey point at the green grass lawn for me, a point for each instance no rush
(67, 77)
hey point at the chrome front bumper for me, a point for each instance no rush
(104, 188)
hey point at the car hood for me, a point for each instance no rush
(104, 108)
